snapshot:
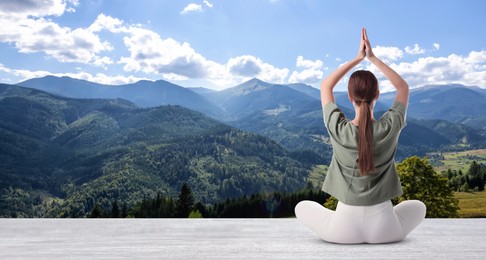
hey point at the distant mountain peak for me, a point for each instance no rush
(255, 80)
(249, 86)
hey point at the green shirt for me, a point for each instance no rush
(343, 180)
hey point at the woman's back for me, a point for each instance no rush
(343, 180)
(344, 134)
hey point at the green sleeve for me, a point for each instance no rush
(398, 114)
(332, 115)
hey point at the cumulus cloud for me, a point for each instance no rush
(24, 24)
(107, 22)
(249, 66)
(103, 62)
(415, 50)
(151, 54)
(174, 60)
(388, 53)
(467, 69)
(171, 59)
(61, 43)
(33, 8)
(311, 71)
(246, 66)
(436, 46)
(192, 7)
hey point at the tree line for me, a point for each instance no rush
(261, 205)
(473, 179)
(419, 181)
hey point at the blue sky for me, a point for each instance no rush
(221, 43)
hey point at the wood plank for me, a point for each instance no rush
(224, 239)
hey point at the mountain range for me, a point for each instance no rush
(455, 103)
(143, 93)
(87, 151)
(291, 114)
(293, 106)
(74, 143)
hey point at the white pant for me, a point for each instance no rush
(380, 223)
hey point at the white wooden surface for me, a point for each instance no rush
(224, 239)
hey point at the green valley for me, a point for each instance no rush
(457, 160)
(94, 151)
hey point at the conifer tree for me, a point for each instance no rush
(96, 212)
(124, 212)
(115, 210)
(185, 202)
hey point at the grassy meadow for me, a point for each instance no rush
(472, 204)
(457, 160)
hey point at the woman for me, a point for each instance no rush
(362, 174)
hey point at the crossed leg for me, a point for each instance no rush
(322, 221)
(345, 228)
(314, 216)
(410, 213)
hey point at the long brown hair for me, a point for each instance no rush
(363, 89)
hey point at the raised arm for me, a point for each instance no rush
(397, 81)
(328, 84)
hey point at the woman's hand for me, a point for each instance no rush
(367, 45)
(362, 46)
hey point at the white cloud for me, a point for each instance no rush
(148, 52)
(308, 64)
(72, 9)
(388, 53)
(248, 66)
(208, 4)
(173, 60)
(103, 62)
(107, 22)
(24, 24)
(311, 73)
(467, 69)
(192, 7)
(174, 77)
(32, 8)
(27, 26)
(151, 54)
(477, 57)
(436, 46)
(415, 50)
(23, 74)
(98, 78)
